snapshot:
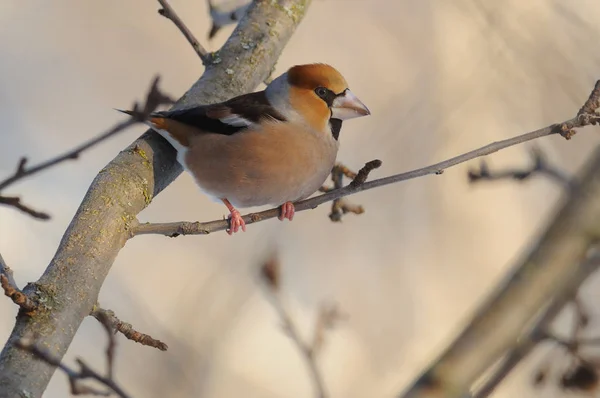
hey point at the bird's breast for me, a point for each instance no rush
(271, 165)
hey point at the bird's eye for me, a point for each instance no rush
(321, 92)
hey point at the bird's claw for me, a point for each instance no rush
(235, 222)
(287, 211)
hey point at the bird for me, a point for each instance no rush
(271, 147)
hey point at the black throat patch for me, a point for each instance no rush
(336, 126)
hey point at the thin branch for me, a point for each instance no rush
(106, 322)
(6, 271)
(222, 16)
(546, 271)
(117, 325)
(328, 317)
(15, 201)
(75, 377)
(70, 155)
(16, 295)
(173, 229)
(363, 173)
(168, 12)
(153, 100)
(290, 326)
(539, 166)
(339, 207)
(526, 343)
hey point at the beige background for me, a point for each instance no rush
(440, 78)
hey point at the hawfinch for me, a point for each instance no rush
(274, 147)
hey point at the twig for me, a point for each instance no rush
(526, 343)
(16, 295)
(328, 317)
(546, 271)
(590, 107)
(339, 207)
(108, 317)
(106, 322)
(539, 166)
(153, 99)
(168, 12)
(75, 377)
(307, 351)
(174, 229)
(222, 16)
(363, 174)
(6, 271)
(15, 202)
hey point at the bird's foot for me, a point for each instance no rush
(235, 219)
(235, 222)
(287, 211)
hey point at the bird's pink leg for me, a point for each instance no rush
(235, 218)
(287, 211)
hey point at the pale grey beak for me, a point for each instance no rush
(348, 106)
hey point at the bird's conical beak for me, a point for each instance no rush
(348, 106)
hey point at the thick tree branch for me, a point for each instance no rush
(126, 186)
(197, 228)
(531, 338)
(547, 271)
(168, 12)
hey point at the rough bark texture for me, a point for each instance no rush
(69, 287)
(551, 269)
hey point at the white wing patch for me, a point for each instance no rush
(236, 121)
(181, 150)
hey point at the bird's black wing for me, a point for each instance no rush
(229, 117)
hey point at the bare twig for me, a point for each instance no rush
(363, 173)
(15, 202)
(590, 107)
(328, 317)
(526, 343)
(16, 295)
(197, 228)
(546, 271)
(340, 206)
(106, 322)
(153, 99)
(108, 317)
(70, 155)
(75, 377)
(307, 351)
(221, 15)
(6, 271)
(539, 166)
(168, 12)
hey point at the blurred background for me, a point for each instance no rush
(440, 78)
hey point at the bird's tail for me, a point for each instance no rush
(130, 113)
(154, 121)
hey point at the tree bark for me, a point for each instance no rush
(69, 287)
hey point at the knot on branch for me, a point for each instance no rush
(16, 295)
